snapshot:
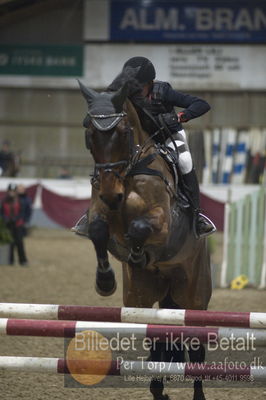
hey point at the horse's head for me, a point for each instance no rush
(108, 134)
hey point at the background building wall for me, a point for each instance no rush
(42, 114)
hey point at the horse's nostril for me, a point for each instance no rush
(113, 201)
(120, 197)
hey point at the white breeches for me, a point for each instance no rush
(185, 162)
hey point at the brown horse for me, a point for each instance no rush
(135, 215)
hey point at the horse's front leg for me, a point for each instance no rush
(105, 277)
(140, 230)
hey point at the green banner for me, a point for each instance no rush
(41, 60)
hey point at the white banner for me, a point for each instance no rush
(189, 67)
(186, 67)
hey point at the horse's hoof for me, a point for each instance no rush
(162, 397)
(156, 389)
(104, 292)
(105, 283)
(199, 395)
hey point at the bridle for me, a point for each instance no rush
(109, 167)
(128, 167)
(115, 118)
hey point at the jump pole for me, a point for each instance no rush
(69, 329)
(134, 315)
(185, 371)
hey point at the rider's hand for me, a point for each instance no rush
(181, 117)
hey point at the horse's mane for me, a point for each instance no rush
(126, 76)
(134, 88)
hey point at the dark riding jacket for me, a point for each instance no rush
(160, 103)
(163, 94)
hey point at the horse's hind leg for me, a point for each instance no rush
(160, 353)
(156, 388)
(171, 353)
(198, 356)
(105, 277)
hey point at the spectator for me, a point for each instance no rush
(64, 174)
(26, 206)
(12, 213)
(8, 161)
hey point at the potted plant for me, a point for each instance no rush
(5, 241)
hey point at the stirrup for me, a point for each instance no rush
(204, 234)
(81, 227)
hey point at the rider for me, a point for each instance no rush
(159, 99)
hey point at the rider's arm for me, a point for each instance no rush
(193, 106)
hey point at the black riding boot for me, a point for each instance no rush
(201, 224)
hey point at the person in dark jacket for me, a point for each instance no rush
(8, 161)
(26, 206)
(155, 102)
(12, 213)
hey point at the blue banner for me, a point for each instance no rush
(188, 21)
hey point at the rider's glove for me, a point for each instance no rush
(182, 117)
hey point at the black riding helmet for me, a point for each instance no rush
(146, 72)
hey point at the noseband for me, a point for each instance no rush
(109, 167)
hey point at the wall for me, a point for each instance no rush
(42, 115)
(45, 126)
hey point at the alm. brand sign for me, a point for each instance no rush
(188, 21)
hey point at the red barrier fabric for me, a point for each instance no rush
(214, 210)
(30, 190)
(66, 210)
(63, 210)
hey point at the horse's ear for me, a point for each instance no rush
(89, 94)
(119, 98)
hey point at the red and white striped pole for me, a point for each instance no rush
(149, 368)
(134, 315)
(51, 328)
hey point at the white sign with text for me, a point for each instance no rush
(201, 67)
